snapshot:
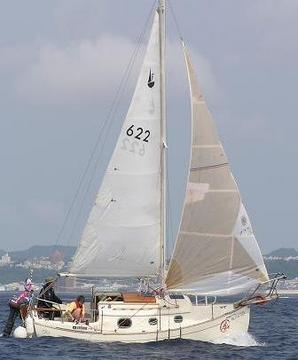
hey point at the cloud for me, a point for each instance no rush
(176, 72)
(90, 71)
(83, 72)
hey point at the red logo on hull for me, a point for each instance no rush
(225, 325)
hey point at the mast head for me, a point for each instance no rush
(161, 6)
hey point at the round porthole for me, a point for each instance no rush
(178, 319)
(124, 323)
(152, 321)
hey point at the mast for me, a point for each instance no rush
(163, 159)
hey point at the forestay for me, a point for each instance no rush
(123, 232)
(216, 251)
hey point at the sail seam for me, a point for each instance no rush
(131, 226)
(205, 234)
(119, 172)
(222, 191)
(208, 167)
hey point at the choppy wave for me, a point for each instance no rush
(240, 339)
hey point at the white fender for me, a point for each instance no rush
(20, 332)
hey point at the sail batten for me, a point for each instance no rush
(215, 251)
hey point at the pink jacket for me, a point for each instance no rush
(23, 298)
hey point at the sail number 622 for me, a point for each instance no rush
(139, 133)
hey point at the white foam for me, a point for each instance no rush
(239, 339)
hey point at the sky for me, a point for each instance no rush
(61, 63)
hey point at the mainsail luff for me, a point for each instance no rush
(123, 232)
(215, 251)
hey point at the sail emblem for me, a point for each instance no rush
(151, 79)
(243, 221)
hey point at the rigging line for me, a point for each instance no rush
(199, 168)
(101, 152)
(141, 308)
(121, 89)
(123, 86)
(101, 132)
(115, 104)
(175, 20)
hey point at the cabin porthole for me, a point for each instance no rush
(152, 321)
(178, 319)
(124, 323)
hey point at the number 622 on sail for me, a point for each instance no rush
(139, 133)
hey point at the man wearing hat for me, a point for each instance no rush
(47, 297)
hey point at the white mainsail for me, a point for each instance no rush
(215, 251)
(123, 233)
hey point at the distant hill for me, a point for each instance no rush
(12, 274)
(280, 260)
(283, 260)
(283, 252)
(39, 251)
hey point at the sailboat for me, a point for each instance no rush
(215, 253)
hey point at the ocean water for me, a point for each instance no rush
(273, 335)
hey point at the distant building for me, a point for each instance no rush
(57, 257)
(5, 260)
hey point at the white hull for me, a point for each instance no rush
(208, 322)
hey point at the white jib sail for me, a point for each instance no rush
(123, 232)
(216, 251)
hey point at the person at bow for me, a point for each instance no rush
(18, 305)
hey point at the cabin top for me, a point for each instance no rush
(125, 297)
(138, 298)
